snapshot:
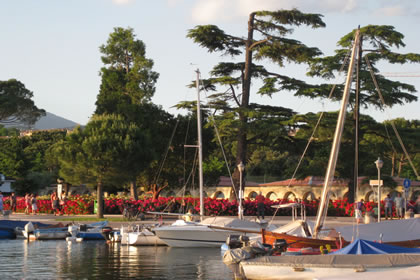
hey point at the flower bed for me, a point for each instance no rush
(78, 205)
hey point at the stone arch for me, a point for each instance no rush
(219, 194)
(309, 196)
(271, 196)
(370, 196)
(252, 195)
(289, 196)
(332, 195)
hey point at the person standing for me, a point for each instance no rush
(388, 207)
(13, 202)
(33, 203)
(27, 203)
(260, 205)
(358, 210)
(399, 205)
(55, 203)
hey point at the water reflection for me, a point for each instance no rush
(59, 259)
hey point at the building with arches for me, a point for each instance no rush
(310, 188)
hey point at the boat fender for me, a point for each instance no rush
(29, 227)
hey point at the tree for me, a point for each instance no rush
(16, 104)
(128, 84)
(271, 28)
(100, 152)
(376, 46)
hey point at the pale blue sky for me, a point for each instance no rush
(52, 46)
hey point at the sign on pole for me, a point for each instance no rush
(407, 183)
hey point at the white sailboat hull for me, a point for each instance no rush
(328, 266)
(144, 238)
(193, 236)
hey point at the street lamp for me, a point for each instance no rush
(379, 163)
(241, 168)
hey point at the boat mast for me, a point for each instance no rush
(200, 146)
(329, 176)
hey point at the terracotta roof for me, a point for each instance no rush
(315, 181)
(224, 181)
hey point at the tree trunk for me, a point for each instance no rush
(133, 190)
(393, 164)
(100, 201)
(241, 151)
(400, 165)
(66, 188)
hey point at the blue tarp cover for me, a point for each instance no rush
(364, 247)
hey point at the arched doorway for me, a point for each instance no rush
(289, 196)
(309, 196)
(271, 196)
(252, 195)
(219, 195)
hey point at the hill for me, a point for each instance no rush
(50, 121)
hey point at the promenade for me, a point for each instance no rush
(151, 219)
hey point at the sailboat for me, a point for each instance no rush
(211, 232)
(368, 231)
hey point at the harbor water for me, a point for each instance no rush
(20, 259)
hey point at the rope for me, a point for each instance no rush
(313, 132)
(166, 154)
(221, 146)
(392, 122)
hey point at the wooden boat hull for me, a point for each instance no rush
(269, 237)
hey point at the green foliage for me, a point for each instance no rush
(128, 77)
(237, 119)
(378, 42)
(16, 104)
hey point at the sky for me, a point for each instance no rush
(52, 46)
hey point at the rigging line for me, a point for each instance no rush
(166, 154)
(389, 138)
(314, 131)
(185, 143)
(392, 122)
(182, 190)
(224, 156)
(221, 145)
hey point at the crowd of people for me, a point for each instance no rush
(398, 203)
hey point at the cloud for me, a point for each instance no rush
(123, 2)
(392, 11)
(211, 10)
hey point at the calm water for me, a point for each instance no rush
(97, 260)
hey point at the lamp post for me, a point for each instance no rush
(241, 168)
(379, 163)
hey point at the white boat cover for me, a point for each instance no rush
(392, 231)
(338, 261)
(230, 223)
(296, 228)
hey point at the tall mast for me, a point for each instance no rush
(200, 146)
(329, 176)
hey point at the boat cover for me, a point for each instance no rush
(231, 223)
(14, 224)
(392, 231)
(363, 247)
(296, 228)
(340, 261)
